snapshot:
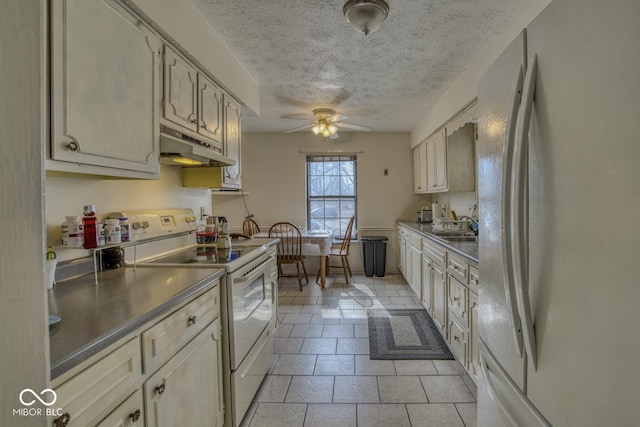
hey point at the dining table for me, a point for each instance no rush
(314, 243)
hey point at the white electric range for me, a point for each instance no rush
(248, 292)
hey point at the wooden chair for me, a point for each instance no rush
(249, 227)
(341, 249)
(289, 249)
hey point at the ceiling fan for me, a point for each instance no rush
(326, 123)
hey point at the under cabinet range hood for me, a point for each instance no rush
(179, 149)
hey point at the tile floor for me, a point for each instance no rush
(322, 374)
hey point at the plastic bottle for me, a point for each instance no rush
(89, 225)
(112, 231)
(124, 229)
(72, 232)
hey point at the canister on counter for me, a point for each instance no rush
(112, 231)
(125, 235)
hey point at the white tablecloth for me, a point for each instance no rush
(314, 243)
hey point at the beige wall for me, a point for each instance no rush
(273, 172)
(463, 90)
(67, 196)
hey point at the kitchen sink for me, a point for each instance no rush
(461, 238)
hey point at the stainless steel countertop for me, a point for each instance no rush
(468, 250)
(94, 317)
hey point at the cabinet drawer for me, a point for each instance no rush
(458, 340)
(166, 337)
(458, 268)
(457, 300)
(129, 414)
(436, 252)
(87, 396)
(474, 278)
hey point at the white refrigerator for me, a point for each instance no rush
(559, 198)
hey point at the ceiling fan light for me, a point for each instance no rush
(322, 128)
(366, 15)
(333, 129)
(315, 129)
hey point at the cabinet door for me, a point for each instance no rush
(210, 110)
(416, 270)
(427, 284)
(432, 179)
(474, 358)
(188, 389)
(105, 89)
(232, 128)
(440, 298)
(420, 168)
(180, 91)
(441, 160)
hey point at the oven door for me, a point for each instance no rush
(251, 292)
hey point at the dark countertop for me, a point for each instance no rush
(468, 250)
(94, 317)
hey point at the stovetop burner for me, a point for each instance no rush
(204, 255)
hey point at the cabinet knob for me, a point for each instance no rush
(62, 420)
(193, 121)
(73, 146)
(193, 319)
(135, 416)
(160, 388)
(203, 125)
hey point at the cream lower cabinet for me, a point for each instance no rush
(105, 77)
(439, 313)
(449, 286)
(181, 383)
(90, 396)
(187, 390)
(427, 283)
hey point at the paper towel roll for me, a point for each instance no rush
(437, 210)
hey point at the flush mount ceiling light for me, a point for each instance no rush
(366, 15)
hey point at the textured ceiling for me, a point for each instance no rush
(304, 55)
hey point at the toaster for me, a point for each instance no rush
(425, 215)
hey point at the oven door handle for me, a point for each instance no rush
(250, 278)
(248, 364)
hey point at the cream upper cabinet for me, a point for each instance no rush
(437, 162)
(232, 175)
(192, 100)
(210, 115)
(105, 78)
(451, 160)
(420, 168)
(180, 91)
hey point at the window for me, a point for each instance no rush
(331, 192)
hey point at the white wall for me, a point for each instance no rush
(463, 90)
(273, 172)
(24, 343)
(67, 196)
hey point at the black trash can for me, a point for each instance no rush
(374, 252)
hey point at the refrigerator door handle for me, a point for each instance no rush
(493, 393)
(506, 209)
(519, 218)
(514, 407)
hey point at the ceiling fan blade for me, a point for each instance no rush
(354, 127)
(334, 136)
(300, 128)
(307, 117)
(338, 117)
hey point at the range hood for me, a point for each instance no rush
(179, 149)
